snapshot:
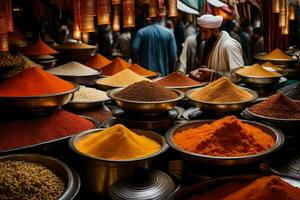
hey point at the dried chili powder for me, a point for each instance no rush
(23, 132)
(278, 106)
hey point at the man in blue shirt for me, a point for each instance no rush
(154, 47)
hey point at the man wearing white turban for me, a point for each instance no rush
(221, 53)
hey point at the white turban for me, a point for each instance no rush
(210, 21)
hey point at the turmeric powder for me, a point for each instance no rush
(257, 71)
(277, 54)
(221, 90)
(117, 143)
(226, 137)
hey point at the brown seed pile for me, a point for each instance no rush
(278, 106)
(10, 65)
(146, 91)
(28, 180)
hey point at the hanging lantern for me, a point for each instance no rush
(173, 12)
(103, 12)
(3, 42)
(161, 8)
(115, 2)
(85, 37)
(86, 24)
(147, 1)
(276, 6)
(76, 31)
(87, 7)
(285, 29)
(282, 14)
(116, 20)
(128, 13)
(152, 8)
(292, 13)
(9, 18)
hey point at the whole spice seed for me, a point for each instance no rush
(28, 180)
(277, 106)
(24, 132)
(146, 91)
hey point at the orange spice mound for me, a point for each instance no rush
(270, 187)
(117, 65)
(38, 48)
(97, 61)
(177, 79)
(141, 71)
(277, 54)
(33, 81)
(226, 137)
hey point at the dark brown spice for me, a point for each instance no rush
(146, 91)
(278, 106)
(177, 79)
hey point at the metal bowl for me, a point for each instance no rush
(39, 104)
(224, 161)
(283, 123)
(145, 106)
(278, 61)
(107, 87)
(102, 173)
(87, 80)
(68, 175)
(259, 81)
(85, 105)
(221, 107)
(53, 147)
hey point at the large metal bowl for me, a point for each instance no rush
(68, 175)
(259, 81)
(102, 173)
(221, 107)
(224, 161)
(145, 106)
(277, 61)
(37, 104)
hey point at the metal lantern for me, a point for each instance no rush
(86, 24)
(87, 7)
(292, 13)
(115, 2)
(276, 6)
(3, 42)
(85, 37)
(282, 14)
(116, 20)
(285, 29)
(173, 12)
(161, 8)
(76, 31)
(128, 13)
(152, 8)
(103, 12)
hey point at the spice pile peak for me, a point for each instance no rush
(257, 71)
(73, 69)
(177, 79)
(277, 54)
(97, 61)
(38, 48)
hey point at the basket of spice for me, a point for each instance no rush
(221, 97)
(276, 56)
(259, 75)
(228, 141)
(114, 152)
(87, 98)
(145, 96)
(35, 176)
(76, 72)
(35, 90)
(277, 109)
(178, 80)
(241, 187)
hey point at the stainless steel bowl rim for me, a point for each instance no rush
(278, 143)
(259, 77)
(163, 148)
(254, 97)
(110, 94)
(89, 102)
(65, 166)
(76, 88)
(270, 118)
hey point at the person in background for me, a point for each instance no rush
(179, 31)
(245, 35)
(154, 47)
(104, 40)
(232, 27)
(221, 53)
(257, 41)
(123, 44)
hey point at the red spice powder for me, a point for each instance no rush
(278, 106)
(21, 133)
(177, 79)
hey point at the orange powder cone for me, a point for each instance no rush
(117, 65)
(97, 61)
(39, 48)
(141, 71)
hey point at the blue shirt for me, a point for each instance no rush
(155, 48)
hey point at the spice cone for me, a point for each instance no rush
(38, 48)
(277, 54)
(141, 71)
(117, 65)
(97, 61)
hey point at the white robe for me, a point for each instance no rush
(226, 55)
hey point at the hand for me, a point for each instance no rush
(202, 74)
